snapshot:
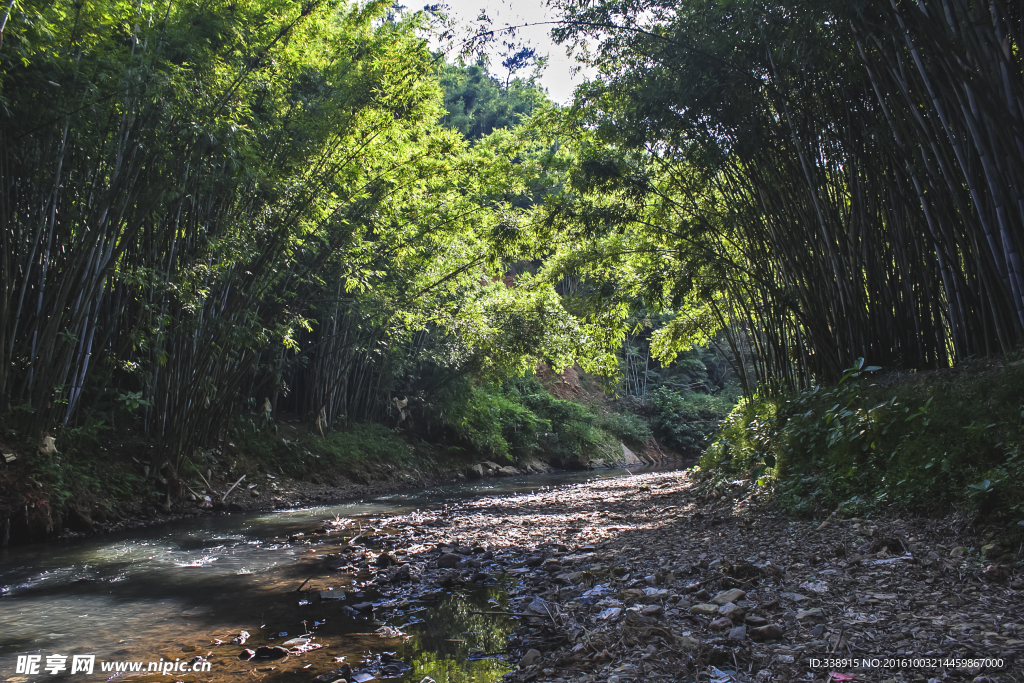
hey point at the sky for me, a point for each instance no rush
(558, 76)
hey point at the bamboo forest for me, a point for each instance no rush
(345, 340)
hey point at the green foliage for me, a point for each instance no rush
(354, 451)
(518, 418)
(627, 427)
(921, 444)
(685, 421)
(478, 104)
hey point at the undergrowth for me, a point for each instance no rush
(686, 421)
(350, 449)
(923, 444)
(519, 418)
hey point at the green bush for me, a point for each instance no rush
(686, 421)
(518, 418)
(627, 427)
(921, 445)
(351, 447)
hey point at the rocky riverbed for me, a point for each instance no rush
(662, 577)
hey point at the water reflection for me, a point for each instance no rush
(458, 642)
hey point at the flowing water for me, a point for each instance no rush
(167, 594)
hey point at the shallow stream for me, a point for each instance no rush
(170, 592)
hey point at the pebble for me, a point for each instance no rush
(731, 595)
(704, 609)
(755, 622)
(731, 611)
(738, 632)
(720, 624)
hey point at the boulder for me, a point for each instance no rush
(629, 456)
(475, 471)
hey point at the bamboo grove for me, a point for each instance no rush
(824, 181)
(234, 208)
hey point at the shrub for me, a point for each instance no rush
(627, 427)
(921, 445)
(685, 421)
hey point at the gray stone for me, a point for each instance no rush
(704, 610)
(731, 595)
(720, 624)
(731, 611)
(738, 632)
(475, 471)
(652, 610)
(755, 622)
(448, 561)
(629, 456)
(529, 658)
(508, 471)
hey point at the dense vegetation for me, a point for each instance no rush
(214, 215)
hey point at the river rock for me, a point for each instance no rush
(731, 611)
(704, 610)
(507, 471)
(808, 616)
(475, 471)
(652, 610)
(265, 652)
(738, 632)
(345, 672)
(755, 622)
(763, 633)
(363, 607)
(385, 560)
(731, 595)
(448, 561)
(720, 624)
(529, 658)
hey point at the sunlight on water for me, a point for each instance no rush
(172, 591)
